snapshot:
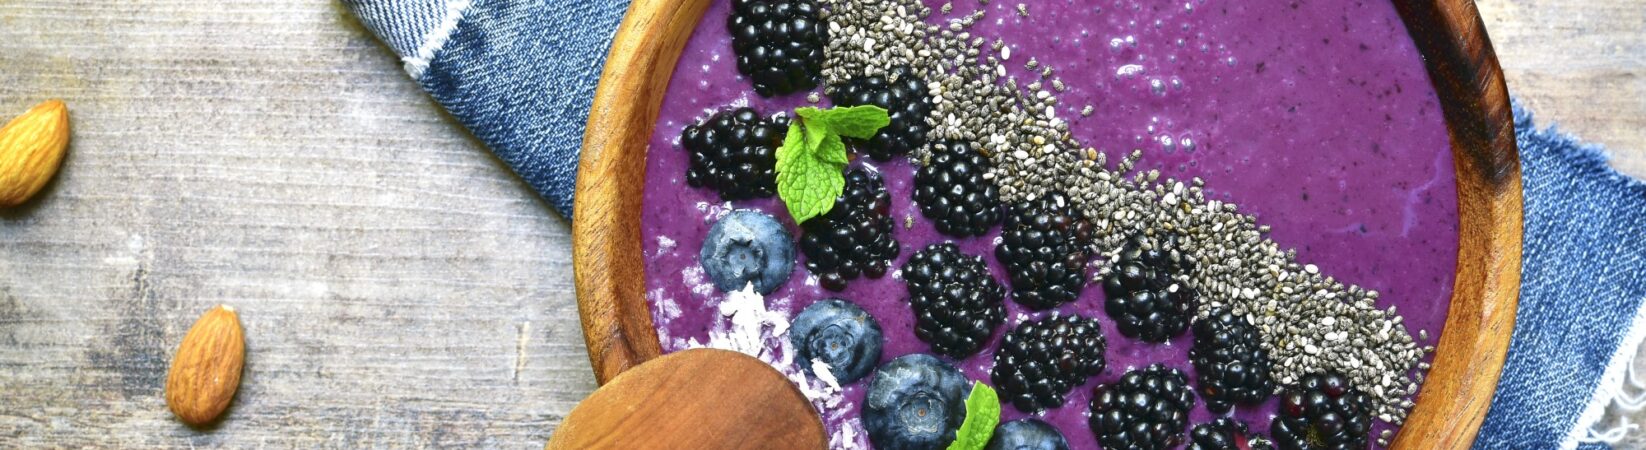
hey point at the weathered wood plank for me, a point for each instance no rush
(398, 286)
(1581, 64)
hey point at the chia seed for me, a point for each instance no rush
(1308, 322)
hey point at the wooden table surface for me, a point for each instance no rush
(398, 286)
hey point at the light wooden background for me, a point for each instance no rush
(398, 286)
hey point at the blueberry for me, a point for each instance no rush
(747, 247)
(915, 402)
(1027, 434)
(841, 335)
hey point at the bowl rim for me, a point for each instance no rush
(1462, 66)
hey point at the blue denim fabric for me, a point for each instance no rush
(401, 24)
(521, 76)
(1583, 278)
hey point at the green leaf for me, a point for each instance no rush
(982, 414)
(792, 148)
(809, 112)
(810, 162)
(807, 184)
(814, 126)
(831, 150)
(860, 122)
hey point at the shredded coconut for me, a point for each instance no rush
(746, 325)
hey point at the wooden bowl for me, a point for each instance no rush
(1449, 33)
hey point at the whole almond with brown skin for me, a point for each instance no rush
(31, 148)
(205, 373)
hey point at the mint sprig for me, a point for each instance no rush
(982, 414)
(811, 162)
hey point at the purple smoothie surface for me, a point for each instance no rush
(1315, 117)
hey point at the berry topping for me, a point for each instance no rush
(1044, 247)
(747, 247)
(1145, 296)
(1226, 434)
(855, 237)
(779, 44)
(904, 97)
(915, 402)
(952, 192)
(957, 303)
(734, 153)
(1322, 413)
(839, 334)
(1229, 362)
(1147, 409)
(1027, 434)
(1040, 361)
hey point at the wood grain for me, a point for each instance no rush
(694, 399)
(1580, 64)
(606, 237)
(398, 286)
(1463, 66)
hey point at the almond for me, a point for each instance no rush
(31, 148)
(205, 373)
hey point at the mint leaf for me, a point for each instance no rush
(982, 414)
(793, 147)
(860, 122)
(807, 184)
(810, 162)
(814, 125)
(809, 113)
(832, 150)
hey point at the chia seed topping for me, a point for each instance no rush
(1308, 321)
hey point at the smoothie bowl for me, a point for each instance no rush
(1136, 224)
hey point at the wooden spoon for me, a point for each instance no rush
(701, 398)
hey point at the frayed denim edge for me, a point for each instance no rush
(436, 39)
(1592, 158)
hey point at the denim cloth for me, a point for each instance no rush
(521, 76)
(401, 24)
(1582, 281)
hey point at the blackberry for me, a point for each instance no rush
(952, 192)
(1044, 247)
(1322, 412)
(1147, 409)
(1226, 434)
(779, 44)
(1144, 296)
(1229, 362)
(855, 237)
(1040, 361)
(957, 303)
(735, 153)
(903, 95)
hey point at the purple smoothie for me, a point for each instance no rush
(1316, 117)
